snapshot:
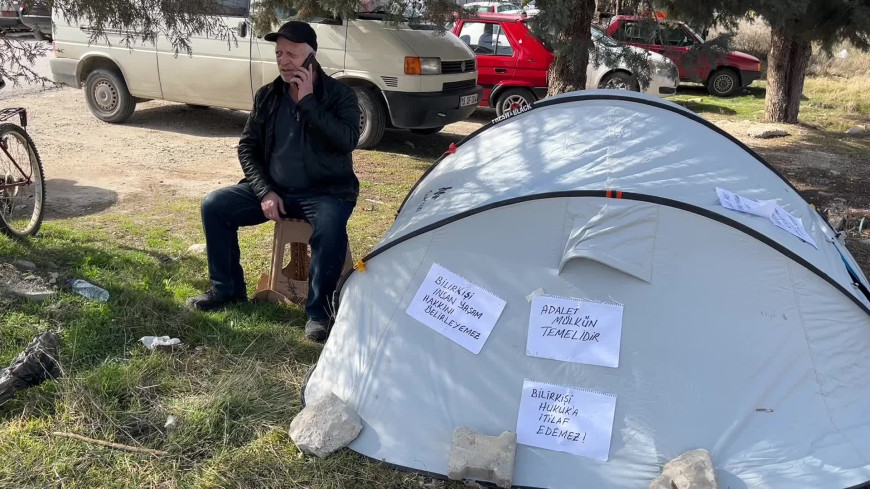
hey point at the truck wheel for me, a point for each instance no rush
(108, 97)
(428, 130)
(513, 98)
(723, 83)
(371, 119)
(619, 80)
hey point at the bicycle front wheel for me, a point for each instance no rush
(22, 188)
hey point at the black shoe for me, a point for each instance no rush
(317, 330)
(213, 300)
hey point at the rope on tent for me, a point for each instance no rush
(360, 265)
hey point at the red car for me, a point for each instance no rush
(512, 64)
(723, 74)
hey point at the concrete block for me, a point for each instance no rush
(325, 426)
(481, 457)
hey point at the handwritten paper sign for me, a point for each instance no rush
(573, 330)
(456, 308)
(770, 210)
(566, 419)
(786, 221)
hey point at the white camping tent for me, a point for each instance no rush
(736, 335)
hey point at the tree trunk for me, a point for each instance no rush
(568, 72)
(786, 70)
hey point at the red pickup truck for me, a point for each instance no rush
(723, 74)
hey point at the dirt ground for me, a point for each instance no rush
(164, 150)
(171, 150)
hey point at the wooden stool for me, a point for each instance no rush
(290, 284)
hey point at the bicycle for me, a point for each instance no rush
(22, 189)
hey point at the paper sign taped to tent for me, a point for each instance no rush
(776, 214)
(566, 419)
(456, 308)
(574, 330)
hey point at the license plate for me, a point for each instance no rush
(468, 100)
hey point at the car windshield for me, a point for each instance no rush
(692, 31)
(601, 37)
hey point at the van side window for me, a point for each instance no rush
(486, 38)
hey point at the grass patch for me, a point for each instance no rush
(832, 104)
(234, 386)
(829, 107)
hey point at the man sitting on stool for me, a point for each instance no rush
(295, 152)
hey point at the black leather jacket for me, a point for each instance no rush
(330, 132)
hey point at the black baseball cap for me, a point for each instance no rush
(295, 31)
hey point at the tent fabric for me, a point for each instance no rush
(617, 144)
(621, 236)
(754, 349)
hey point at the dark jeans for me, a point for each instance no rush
(227, 209)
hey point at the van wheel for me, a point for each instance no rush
(619, 80)
(512, 99)
(723, 83)
(371, 118)
(108, 97)
(428, 130)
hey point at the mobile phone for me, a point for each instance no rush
(309, 61)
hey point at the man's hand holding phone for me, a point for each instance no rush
(304, 78)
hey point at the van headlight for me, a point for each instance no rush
(422, 66)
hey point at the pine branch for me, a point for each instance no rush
(17, 58)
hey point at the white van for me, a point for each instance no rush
(404, 77)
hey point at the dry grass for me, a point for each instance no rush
(844, 61)
(843, 96)
(752, 38)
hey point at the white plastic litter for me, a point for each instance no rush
(89, 290)
(153, 341)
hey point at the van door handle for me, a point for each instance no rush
(501, 70)
(243, 28)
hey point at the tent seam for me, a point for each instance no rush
(813, 359)
(693, 208)
(652, 270)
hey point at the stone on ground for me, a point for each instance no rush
(325, 426)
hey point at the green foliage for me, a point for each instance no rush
(561, 27)
(824, 21)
